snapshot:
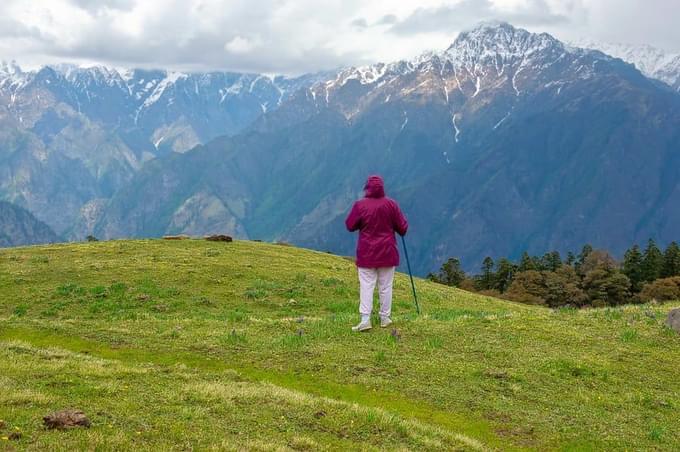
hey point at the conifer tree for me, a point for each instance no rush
(526, 263)
(552, 261)
(583, 255)
(632, 268)
(450, 273)
(505, 272)
(652, 262)
(537, 263)
(671, 261)
(486, 279)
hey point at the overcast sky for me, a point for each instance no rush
(294, 36)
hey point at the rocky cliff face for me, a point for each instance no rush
(18, 227)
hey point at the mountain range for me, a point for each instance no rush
(71, 137)
(506, 141)
(651, 61)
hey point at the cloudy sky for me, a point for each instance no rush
(294, 36)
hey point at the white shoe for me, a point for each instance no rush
(362, 326)
(385, 322)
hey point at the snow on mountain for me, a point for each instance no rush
(651, 61)
(498, 44)
(78, 134)
(146, 86)
(11, 76)
(228, 102)
(485, 59)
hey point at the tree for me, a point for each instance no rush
(597, 259)
(562, 288)
(486, 279)
(450, 273)
(585, 252)
(671, 261)
(526, 263)
(537, 263)
(632, 268)
(505, 271)
(606, 287)
(551, 261)
(528, 287)
(571, 259)
(652, 262)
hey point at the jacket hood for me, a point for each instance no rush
(375, 187)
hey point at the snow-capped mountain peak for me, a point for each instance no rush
(646, 58)
(11, 75)
(651, 61)
(500, 40)
(490, 55)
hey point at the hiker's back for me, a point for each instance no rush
(377, 218)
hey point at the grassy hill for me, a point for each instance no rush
(243, 345)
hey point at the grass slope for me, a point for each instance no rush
(229, 346)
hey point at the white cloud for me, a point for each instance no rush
(452, 17)
(293, 36)
(240, 45)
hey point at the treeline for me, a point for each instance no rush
(591, 278)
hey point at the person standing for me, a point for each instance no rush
(377, 218)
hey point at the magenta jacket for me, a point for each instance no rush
(377, 218)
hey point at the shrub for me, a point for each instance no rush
(562, 288)
(665, 289)
(528, 287)
(468, 284)
(606, 287)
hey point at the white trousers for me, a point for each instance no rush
(368, 277)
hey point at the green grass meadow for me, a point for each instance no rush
(195, 345)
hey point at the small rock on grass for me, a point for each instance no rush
(673, 320)
(66, 419)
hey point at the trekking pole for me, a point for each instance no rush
(408, 264)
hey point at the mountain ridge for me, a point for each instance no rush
(86, 169)
(651, 61)
(18, 227)
(78, 135)
(484, 129)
